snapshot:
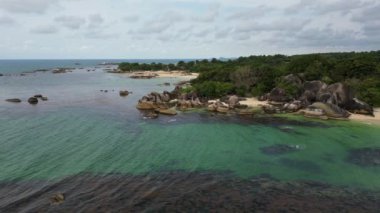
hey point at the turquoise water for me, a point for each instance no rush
(81, 129)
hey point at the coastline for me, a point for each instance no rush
(254, 103)
(162, 74)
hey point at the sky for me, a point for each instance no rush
(157, 29)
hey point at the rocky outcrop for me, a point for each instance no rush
(146, 105)
(41, 97)
(233, 101)
(143, 75)
(326, 109)
(123, 93)
(61, 70)
(33, 100)
(359, 107)
(338, 97)
(311, 89)
(338, 94)
(278, 95)
(13, 100)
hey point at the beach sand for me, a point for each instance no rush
(173, 74)
(167, 74)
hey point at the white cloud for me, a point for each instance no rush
(6, 21)
(71, 22)
(44, 29)
(26, 6)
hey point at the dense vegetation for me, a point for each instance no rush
(257, 75)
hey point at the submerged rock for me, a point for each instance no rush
(151, 115)
(365, 157)
(57, 199)
(167, 111)
(33, 100)
(38, 96)
(13, 100)
(279, 149)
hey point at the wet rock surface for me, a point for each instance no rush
(182, 192)
(365, 157)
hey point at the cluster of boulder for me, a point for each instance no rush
(167, 102)
(143, 75)
(229, 104)
(157, 103)
(316, 99)
(61, 70)
(32, 100)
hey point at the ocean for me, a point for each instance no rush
(99, 151)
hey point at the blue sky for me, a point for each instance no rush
(185, 28)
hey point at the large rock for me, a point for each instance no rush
(146, 105)
(13, 100)
(292, 106)
(340, 94)
(278, 95)
(359, 107)
(310, 91)
(331, 110)
(233, 101)
(124, 93)
(33, 100)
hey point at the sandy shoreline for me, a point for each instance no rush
(253, 102)
(164, 74)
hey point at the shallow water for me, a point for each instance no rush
(81, 130)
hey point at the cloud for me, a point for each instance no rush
(210, 15)
(6, 21)
(277, 25)
(27, 6)
(251, 13)
(160, 23)
(71, 22)
(131, 18)
(323, 7)
(44, 29)
(95, 21)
